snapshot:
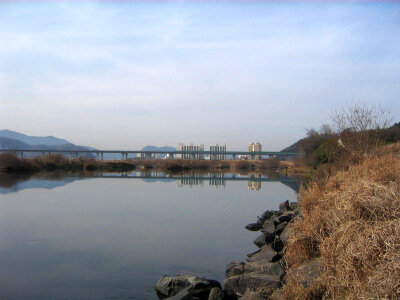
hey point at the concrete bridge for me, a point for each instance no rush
(149, 154)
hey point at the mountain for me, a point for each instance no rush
(296, 147)
(155, 148)
(33, 140)
(8, 143)
(14, 140)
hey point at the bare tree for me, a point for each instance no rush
(358, 126)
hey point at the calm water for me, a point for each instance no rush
(112, 238)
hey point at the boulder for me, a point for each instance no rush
(183, 286)
(285, 235)
(268, 227)
(234, 268)
(216, 294)
(294, 205)
(280, 227)
(260, 266)
(254, 226)
(264, 239)
(235, 285)
(262, 284)
(277, 269)
(268, 214)
(305, 274)
(266, 253)
(284, 206)
(277, 245)
(286, 217)
(250, 295)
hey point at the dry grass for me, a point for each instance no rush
(351, 219)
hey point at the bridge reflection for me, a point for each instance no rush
(192, 179)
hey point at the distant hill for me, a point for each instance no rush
(8, 143)
(14, 140)
(33, 140)
(155, 148)
(296, 147)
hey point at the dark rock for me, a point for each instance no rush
(262, 284)
(258, 283)
(261, 240)
(252, 253)
(305, 274)
(264, 239)
(184, 286)
(280, 227)
(278, 256)
(236, 285)
(294, 205)
(260, 266)
(234, 268)
(250, 295)
(275, 219)
(267, 214)
(254, 226)
(277, 245)
(285, 235)
(266, 253)
(268, 227)
(216, 294)
(284, 206)
(286, 217)
(261, 221)
(277, 269)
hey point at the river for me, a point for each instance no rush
(112, 236)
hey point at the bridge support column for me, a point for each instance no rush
(97, 155)
(101, 154)
(76, 155)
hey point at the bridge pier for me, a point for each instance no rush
(102, 156)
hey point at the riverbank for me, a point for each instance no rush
(341, 241)
(9, 162)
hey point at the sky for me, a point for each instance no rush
(122, 75)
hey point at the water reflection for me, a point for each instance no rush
(16, 182)
(112, 236)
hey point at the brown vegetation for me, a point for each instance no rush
(9, 162)
(351, 220)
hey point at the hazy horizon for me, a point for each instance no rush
(128, 74)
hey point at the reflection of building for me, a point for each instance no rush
(217, 180)
(255, 147)
(190, 148)
(218, 156)
(254, 185)
(190, 180)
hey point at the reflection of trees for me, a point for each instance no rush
(185, 178)
(10, 180)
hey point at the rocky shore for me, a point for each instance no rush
(257, 278)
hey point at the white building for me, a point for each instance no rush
(255, 147)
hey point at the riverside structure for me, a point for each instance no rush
(192, 154)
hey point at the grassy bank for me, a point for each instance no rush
(351, 223)
(9, 162)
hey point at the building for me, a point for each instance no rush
(255, 147)
(218, 156)
(189, 149)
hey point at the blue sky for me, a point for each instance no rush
(127, 74)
